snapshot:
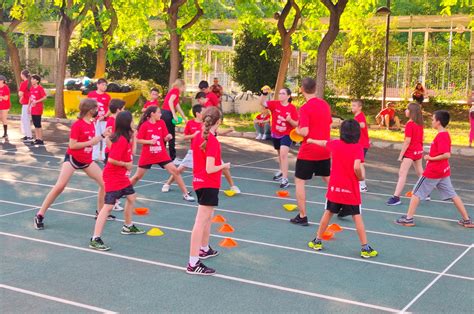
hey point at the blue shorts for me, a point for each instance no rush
(284, 141)
(113, 196)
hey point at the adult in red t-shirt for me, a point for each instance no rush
(78, 156)
(170, 110)
(284, 120)
(437, 174)
(152, 134)
(359, 116)
(207, 172)
(314, 122)
(154, 94)
(387, 117)
(103, 100)
(37, 96)
(4, 104)
(343, 195)
(412, 150)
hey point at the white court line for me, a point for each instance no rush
(257, 215)
(56, 299)
(221, 276)
(419, 295)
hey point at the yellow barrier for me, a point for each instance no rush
(72, 99)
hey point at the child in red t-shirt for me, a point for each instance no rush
(4, 104)
(37, 96)
(154, 94)
(387, 117)
(212, 99)
(412, 150)
(364, 141)
(116, 177)
(103, 100)
(152, 134)
(343, 195)
(437, 174)
(262, 125)
(207, 171)
(78, 156)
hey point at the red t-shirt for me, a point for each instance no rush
(5, 91)
(440, 168)
(26, 94)
(37, 93)
(415, 133)
(343, 187)
(315, 115)
(201, 178)
(191, 127)
(150, 103)
(110, 123)
(263, 118)
(212, 100)
(173, 91)
(115, 177)
(388, 111)
(81, 131)
(364, 131)
(103, 101)
(153, 154)
(280, 127)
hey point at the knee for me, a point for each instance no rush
(132, 198)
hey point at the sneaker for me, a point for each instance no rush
(393, 201)
(24, 138)
(466, 223)
(98, 244)
(259, 137)
(277, 176)
(315, 244)
(117, 207)
(210, 253)
(428, 198)
(284, 183)
(38, 142)
(235, 188)
(28, 139)
(165, 188)
(109, 217)
(404, 221)
(188, 197)
(38, 222)
(299, 221)
(368, 253)
(200, 269)
(364, 189)
(131, 230)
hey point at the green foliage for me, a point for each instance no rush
(256, 62)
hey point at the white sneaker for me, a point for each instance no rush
(165, 188)
(117, 207)
(188, 197)
(236, 189)
(259, 137)
(364, 189)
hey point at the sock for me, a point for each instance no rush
(40, 216)
(363, 184)
(95, 237)
(128, 225)
(205, 248)
(5, 128)
(193, 260)
(365, 247)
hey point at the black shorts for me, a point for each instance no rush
(305, 169)
(74, 163)
(161, 164)
(208, 196)
(342, 209)
(36, 121)
(284, 141)
(112, 197)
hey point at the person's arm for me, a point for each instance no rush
(226, 131)
(128, 165)
(302, 131)
(317, 142)
(146, 142)
(20, 94)
(191, 136)
(293, 123)
(359, 170)
(134, 142)
(406, 144)
(439, 157)
(181, 113)
(211, 165)
(171, 106)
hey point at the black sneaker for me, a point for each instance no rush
(277, 176)
(38, 222)
(109, 217)
(24, 138)
(200, 269)
(28, 139)
(208, 254)
(38, 142)
(299, 221)
(284, 183)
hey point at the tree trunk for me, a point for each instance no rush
(101, 61)
(174, 47)
(66, 28)
(284, 62)
(14, 59)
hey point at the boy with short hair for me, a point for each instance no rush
(212, 99)
(154, 94)
(437, 174)
(364, 141)
(103, 100)
(387, 117)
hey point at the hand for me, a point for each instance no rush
(196, 133)
(175, 117)
(288, 117)
(400, 159)
(107, 132)
(128, 165)
(168, 137)
(427, 158)
(153, 141)
(226, 165)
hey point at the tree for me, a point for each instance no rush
(7, 34)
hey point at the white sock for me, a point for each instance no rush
(363, 184)
(193, 260)
(95, 236)
(205, 248)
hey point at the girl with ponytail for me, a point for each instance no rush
(207, 172)
(24, 95)
(152, 134)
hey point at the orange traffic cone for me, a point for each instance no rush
(218, 219)
(226, 228)
(228, 243)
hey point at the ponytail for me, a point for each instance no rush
(146, 115)
(288, 92)
(210, 117)
(26, 73)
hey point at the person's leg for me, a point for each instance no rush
(397, 122)
(460, 207)
(386, 119)
(94, 172)
(418, 165)
(101, 220)
(284, 161)
(258, 129)
(402, 175)
(414, 202)
(181, 169)
(267, 130)
(3, 118)
(138, 175)
(127, 212)
(323, 224)
(96, 147)
(359, 224)
(171, 168)
(379, 121)
(203, 216)
(25, 121)
(64, 176)
(103, 143)
(301, 196)
(168, 118)
(207, 230)
(228, 177)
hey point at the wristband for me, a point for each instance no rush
(102, 135)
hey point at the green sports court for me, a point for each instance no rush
(427, 268)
